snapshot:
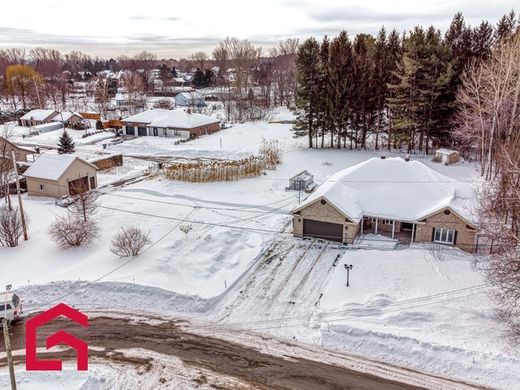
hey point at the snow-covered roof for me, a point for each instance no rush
(195, 95)
(446, 151)
(393, 188)
(52, 166)
(304, 175)
(65, 116)
(170, 119)
(38, 115)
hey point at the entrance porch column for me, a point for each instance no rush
(393, 228)
(362, 226)
(413, 232)
(377, 222)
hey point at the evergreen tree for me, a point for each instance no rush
(199, 79)
(341, 84)
(308, 74)
(482, 40)
(65, 144)
(409, 100)
(506, 27)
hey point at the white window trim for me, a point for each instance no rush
(442, 232)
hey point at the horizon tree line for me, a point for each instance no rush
(391, 91)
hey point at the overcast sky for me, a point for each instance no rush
(173, 29)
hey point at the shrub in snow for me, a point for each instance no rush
(11, 228)
(186, 229)
(129, 242)
(271, 151)
(69, 232)
(203, 172)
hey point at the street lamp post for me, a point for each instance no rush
(348, 268)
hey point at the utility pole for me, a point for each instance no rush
(24, 225)
(8, 343)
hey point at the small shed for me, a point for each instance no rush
(446, 156)
(303, 181)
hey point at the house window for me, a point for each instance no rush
(444, 236)
(42, 187)
(387, 222)
(92, 182)
(155, 131)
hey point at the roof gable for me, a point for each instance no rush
(53, 166)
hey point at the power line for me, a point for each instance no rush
(263, 230)
(113, 270)
(467, 290)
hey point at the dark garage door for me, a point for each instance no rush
(325, 230)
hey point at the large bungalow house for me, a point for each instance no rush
(57, 175)
(405, 200)
(169, 123)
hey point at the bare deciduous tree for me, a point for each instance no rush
(129, 242)
(11, 228)
(84, 204)
(186, 229)
(490, 105)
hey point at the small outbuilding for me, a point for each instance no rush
(58, 175)
(446, 156)
(303, 181)
(192, 99)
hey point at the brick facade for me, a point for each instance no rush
(447, 219)
(325, 213)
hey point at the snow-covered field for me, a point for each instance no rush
(404, 306)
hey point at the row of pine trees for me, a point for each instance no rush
(391, 91)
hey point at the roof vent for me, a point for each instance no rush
(383, 157)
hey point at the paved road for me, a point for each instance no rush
(259, 369)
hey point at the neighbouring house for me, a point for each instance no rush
(404, 200)
(125, 101)
(37, 117)
(303, 181)
(191, 99)
(58, 175)
(20, 153)
(446, 156)
(69, 118)
(169, 123)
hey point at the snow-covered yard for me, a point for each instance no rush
(403, 306)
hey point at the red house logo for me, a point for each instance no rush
(32, 363)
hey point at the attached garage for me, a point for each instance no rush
(325, 230)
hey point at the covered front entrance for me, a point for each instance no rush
(404, 232)
(325, 230)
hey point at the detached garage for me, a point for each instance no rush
(58, 175)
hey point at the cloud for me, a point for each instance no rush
(368, 15)
(146, 18)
